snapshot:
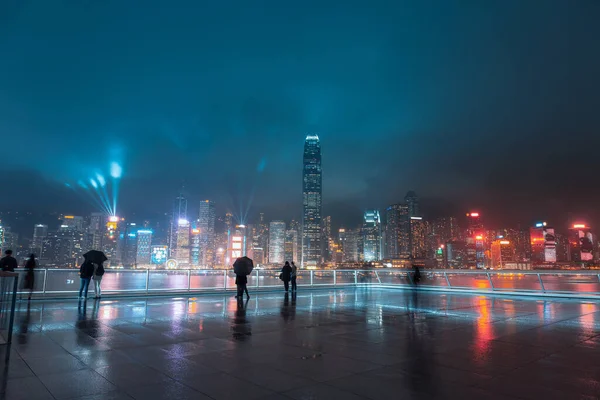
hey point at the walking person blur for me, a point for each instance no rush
(293, 276)
(98, 272)
(86, 271)
(242, 286)
(8, 263)
(286, 275)
(30, 265)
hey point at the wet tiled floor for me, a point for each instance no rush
(338, 344)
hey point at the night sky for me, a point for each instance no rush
(492, 105)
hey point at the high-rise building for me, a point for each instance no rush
(63, 248)
(351, 243)
(502, 254)
(312, 199)
(238, 243)
(543, 244)
(456, 254)
(581, 243)
(40, 231)
(72, 222)
(144, 247)
(291, 245)
(96, 230)
(412, 202)
(179, 214)
(181, 253)
(276, 242)
(418, 235)
(475, 238)
(326, 239)
(206, 234)
(127, 245)
(371, 231)
(397, 231)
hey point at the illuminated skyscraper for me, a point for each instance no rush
(371, 231)
(396, 231)
(206, 234)
(40, 232)
(312, 198)
(581, 243)
(502, 254)
(144, 248)
(326, 239)
(276, 242)
(179, 214)
(418, 230)
(181, 253)
(291, 245)
(543, 244)
(73, 222)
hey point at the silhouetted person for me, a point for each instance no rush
(30, 266)
(242, 286)
(8, 262)
(286, 275)
(294, 275)
(417, 277)
(86, 271)
(98, 273)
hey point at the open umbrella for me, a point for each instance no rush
(243, 266)
(95, 256)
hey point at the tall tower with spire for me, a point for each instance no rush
(311, 200)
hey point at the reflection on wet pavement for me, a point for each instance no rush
(329, 344)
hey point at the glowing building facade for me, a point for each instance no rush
(371, 233)
(312, 199)
(277, 242)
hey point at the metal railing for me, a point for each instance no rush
(65, 282)
(8, 297)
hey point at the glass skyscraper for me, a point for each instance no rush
(397, 231)
(372, 236)
(312, 194)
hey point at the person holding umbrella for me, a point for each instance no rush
(91, 267)
(242, 267)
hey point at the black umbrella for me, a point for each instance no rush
(95, 256)
(243, 266)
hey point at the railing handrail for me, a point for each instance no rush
(423, 270)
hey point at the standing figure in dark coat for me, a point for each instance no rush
(286, 275)
(242, 286)
(30, 265)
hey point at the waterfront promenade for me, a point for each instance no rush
(347, 343)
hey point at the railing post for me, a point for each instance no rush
(377, 276)
(11, 320)
(356, 277)
(490, 279)
(225, 279)
(541, 283)
(189, 280)
(147, 281)
(447, 279)
(257, 279)
(44, 283)
(311, 277)
(410, 279)
(334, 277)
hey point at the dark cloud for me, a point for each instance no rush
(472, 104)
